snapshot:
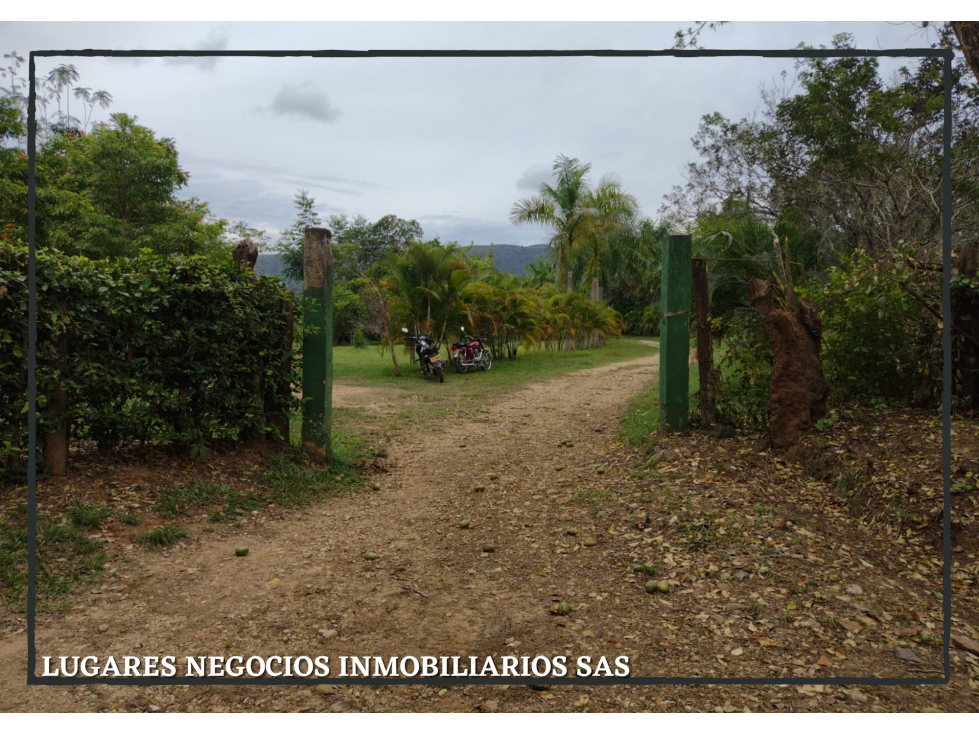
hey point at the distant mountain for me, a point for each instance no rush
(512, 258)
(271, 264)
(508, 259)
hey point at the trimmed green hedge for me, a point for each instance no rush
(161, 349)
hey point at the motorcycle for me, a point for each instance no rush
(428, 353)
(469, 352)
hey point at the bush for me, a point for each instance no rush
(162, 349)
(359, 341)
(878, 340)
(743, 363)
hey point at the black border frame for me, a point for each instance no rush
(946, 54)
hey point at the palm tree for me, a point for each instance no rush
(571, 211)
(632, 257)
(61, 78)
(101, 98)
(739, 248)
(614, 211)
(425, 284)
(85, 95)
(539, 271)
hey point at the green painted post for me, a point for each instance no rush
(674, 340)
(318, 343)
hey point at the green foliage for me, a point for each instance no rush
(359, 341)
(579, 218)
(852, 155)
(109, 193)
(162, 349)
(439, 288)
(356, 241)
(89, 514)
(348, 312)
(739, 247)
(743, 364)
(878, 340)
(163, 536)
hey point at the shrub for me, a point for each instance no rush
(162, 349)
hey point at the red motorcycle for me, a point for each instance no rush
(470, 352)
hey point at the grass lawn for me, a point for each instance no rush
(369, 366)
(640, 421)
(423, 398)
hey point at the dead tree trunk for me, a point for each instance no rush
(798, 391)
(965, 327)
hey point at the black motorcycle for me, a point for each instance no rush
(429, 355)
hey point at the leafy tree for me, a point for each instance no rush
(851, 156)
(540, 271)
(59, 84)
(290, 244)
(131, 179)
(356, 240)
(960, 35)
(576, 216)
(368, 243)
(108, 194)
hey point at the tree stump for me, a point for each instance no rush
(246, 253)
(798, 391)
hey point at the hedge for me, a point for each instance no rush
(170, 349)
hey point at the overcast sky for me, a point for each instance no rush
(450, 142)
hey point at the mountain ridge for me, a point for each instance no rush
(507, 258)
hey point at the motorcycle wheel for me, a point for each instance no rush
(460, 367)
(439, 374)
(486, 363)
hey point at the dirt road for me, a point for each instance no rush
(538, 533)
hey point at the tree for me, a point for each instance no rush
(131, 178)
(371, 242)
(540, 271)
(62, 81)
(855, 158)
(107, 194)
(615, 211)
(960, 35)
(572, 212)
(290, 244)
(426, 280)
(967, 33)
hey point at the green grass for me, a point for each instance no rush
(65, 557)
(640, 422)
(163, 536)
(88, 514)
(180, 499)
(294, 483)
(370, 367)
